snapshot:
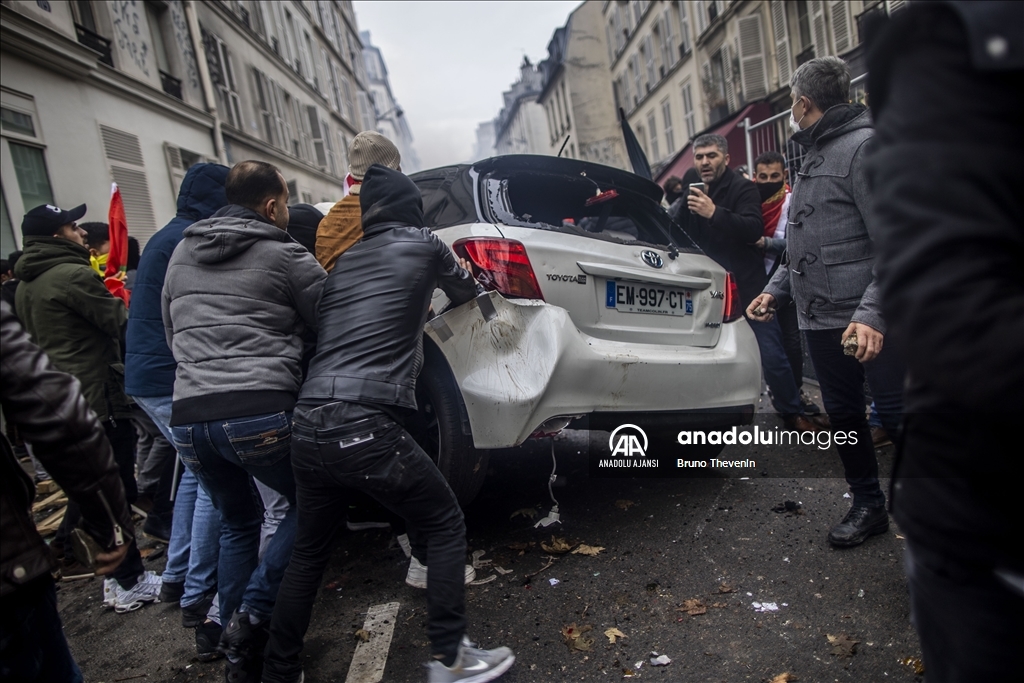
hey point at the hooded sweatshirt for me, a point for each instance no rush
(149, 365)
(69, 313)
(238, 295)
(375, 301)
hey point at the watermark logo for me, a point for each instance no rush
(625, 440)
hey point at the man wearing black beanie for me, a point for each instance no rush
(348, 434)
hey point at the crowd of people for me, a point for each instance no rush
(258, 382)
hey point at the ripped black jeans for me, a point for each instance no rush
(377, 456)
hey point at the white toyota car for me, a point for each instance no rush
(599, 312)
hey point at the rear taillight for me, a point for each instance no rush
(502, 265)
(733, 309)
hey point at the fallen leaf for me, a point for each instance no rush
(530, 513)
(363, 635)
(914, 663)
(843, 646)
(614, 633)
(624, 504)
(584, 549)
(784, 678)
(720, 605)
(521, 545)
(558, 546)
(693, 607)
(574, 637)
(726, 588)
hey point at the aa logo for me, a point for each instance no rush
(628, 440)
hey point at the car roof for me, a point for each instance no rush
(449, 187)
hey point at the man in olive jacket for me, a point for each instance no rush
(69, 313)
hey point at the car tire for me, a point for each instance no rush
(438, 431)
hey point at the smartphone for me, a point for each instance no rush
(700, 186)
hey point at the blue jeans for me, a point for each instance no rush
(195, 526)
(775, 366)
(32, 642)
(841, 379)
(224, 455)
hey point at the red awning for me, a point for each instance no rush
(730, 130)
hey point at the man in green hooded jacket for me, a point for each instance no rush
(69, 313)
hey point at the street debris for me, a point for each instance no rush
(693, 607)
(843, 646)
(790, 507)
(554, 582)
(529, 513)
(847, 495)
(726, 588)
(860, 593)
(502, 570)
(719, 605)
(480, 582)
(362, 634)
(659, 660)
(529, 577)
(575, 637)
(914, 663)
(624, 504)
(522, 546)
(765, 606)
(558, 546)
(784, 677)
(584, 549)
(613, 634)
(478, 561)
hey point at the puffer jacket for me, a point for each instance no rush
(376, 298)
(69, 313)
(831, 256)
(148, 363)
(238, 295)
(49, 410)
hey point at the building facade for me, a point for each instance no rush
(521, 127)
(484, 146)
(390, 118)
(136, 92)
(577, 94)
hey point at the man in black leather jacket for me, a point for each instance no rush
(48, 408)
(347, 431)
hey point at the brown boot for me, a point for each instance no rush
(800, 423)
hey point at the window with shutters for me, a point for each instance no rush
(342, 154)
(689, 115)
(701, 15)
(670, 54)
(282, 114)
(627, 97)
(634, 72)
(641, 136)
(638, 12)
(752, 68)
(842, 27)
(652, 133)
(302, 146)
(265, 107)
(179, 160)
(128, 170)
(780, 32)
(818, 27)
(803, 20)
(684, 29)
(319, 135)
(895, 5)
(27, 184)
(332, 75)
(565, 103)
(292, 42)
(666, 117)
(647, 53)
(350, 109)
(222, 73)
(313, 64)
(293, 192)
(366, 114)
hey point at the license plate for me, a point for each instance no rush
(637, 298)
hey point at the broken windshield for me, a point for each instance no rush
(577, 205)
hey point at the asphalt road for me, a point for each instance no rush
(666, 542)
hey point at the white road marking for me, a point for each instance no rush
(370, 657)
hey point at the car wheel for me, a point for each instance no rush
(437, 428)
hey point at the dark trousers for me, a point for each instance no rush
(786, 316)
(381, 459)
(32, 643)
(970, 622)
(841, 379)
(122, 437)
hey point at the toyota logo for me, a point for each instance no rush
(652, 258)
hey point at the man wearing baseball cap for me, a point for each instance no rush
(69, 313)
(342, 226)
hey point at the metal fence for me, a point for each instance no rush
(774, 133)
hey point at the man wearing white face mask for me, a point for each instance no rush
(830, 275)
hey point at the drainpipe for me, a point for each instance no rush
(204, 78)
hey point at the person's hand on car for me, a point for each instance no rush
(700, 203)
(465, 263)
(762, 308)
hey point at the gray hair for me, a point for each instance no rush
(709, 139)
(825, 81)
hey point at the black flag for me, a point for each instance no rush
(636, 153)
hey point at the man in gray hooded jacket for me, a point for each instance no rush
(830, 276)
(238, 295)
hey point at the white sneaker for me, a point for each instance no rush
(109, 592)
(417, 574)
(472, 665)
(146, 590)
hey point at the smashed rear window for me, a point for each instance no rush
(577, 205)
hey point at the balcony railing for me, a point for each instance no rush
(96, 43)
(170, 84)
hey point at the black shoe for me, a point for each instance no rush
(859, 523)
(194, 615)
(171, 591)
(810, 407)
(207, 639)
(243, 644)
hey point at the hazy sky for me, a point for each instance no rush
(450, 61)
